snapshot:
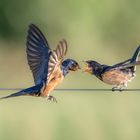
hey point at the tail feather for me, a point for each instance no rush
(29, 91)
(136, 55)
(129, 61)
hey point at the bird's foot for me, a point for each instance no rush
(117, 89)
(121, 90)
(52, 98)
(114, 89)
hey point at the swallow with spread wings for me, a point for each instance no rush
(48, 66)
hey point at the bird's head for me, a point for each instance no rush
(91, 66)
(71, 65)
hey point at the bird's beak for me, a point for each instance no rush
(77, 68)
(87, 69)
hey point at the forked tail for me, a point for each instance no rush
(136, 55)
(135, 58)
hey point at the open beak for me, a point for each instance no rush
(78, 67)
(87, 69)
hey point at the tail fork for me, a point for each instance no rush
(135, 58)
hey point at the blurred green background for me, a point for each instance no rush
(106, 31)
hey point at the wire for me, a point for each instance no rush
(75, 89)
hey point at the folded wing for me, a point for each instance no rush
(130, 65)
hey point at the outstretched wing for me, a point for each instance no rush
(38, 53)
(56, 59)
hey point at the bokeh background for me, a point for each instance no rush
(106, 31)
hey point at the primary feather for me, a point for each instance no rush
(38, 53)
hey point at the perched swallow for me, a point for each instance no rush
(48, 66)
(117, 75)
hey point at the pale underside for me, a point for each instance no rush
(117, 78)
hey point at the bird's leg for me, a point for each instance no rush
(121, 88)
(52, 98)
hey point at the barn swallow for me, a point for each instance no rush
(117, 75)
(48, 66)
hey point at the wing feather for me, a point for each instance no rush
(38, 53)
(56, 58)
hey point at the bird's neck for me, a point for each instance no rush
(97, 73)
(99, 70)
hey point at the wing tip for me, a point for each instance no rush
(34, 28)
(32, 25)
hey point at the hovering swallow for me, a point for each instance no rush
(117, 75)
(48, 66)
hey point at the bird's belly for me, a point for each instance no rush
(51, 85)
(116, 77)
